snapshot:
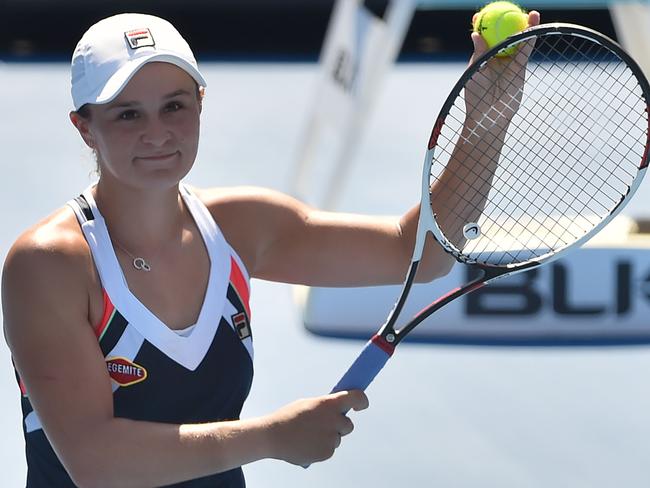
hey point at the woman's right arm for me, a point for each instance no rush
(45, 299)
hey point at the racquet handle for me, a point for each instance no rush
(368, 364)
(363, 370)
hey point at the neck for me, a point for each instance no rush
(141, 220)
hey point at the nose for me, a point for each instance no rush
(156, 132)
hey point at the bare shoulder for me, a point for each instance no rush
(49, 263)
(252, 217)
(52, 244)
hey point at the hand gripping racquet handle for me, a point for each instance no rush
(368, 364)
(363, 370)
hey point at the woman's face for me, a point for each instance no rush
(148, 135)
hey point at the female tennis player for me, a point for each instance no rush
(126, 311)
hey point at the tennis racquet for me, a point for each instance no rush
(531, 155)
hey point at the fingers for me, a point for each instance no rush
(310, 430)
(351, 400)
(527, 47)
(533, 18)
(480, 47)
(346, 426)
(337, 444)
(345, 401)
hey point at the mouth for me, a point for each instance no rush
(158, 157)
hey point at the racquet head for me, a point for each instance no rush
(552, 141)
(531, 155)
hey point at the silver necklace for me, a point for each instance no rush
(139, 263)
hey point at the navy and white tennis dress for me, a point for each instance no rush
(200, 374)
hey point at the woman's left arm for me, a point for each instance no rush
(282, 239)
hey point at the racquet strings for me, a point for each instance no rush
(569, 155)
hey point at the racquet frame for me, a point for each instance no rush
(379, 349)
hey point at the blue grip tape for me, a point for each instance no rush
(364, 369)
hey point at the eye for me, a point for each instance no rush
(128, 115)
(173, 106)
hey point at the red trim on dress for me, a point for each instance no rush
(239, 283)
(108, 311)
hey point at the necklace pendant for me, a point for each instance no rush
(141, 265)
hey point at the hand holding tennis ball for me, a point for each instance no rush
(497, 21)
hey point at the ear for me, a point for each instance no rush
(83, 127)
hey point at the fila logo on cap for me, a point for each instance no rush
(139, 38)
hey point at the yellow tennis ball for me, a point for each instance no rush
(499, 20)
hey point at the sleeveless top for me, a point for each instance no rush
(202, 374)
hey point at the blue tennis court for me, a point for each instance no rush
(470, 416)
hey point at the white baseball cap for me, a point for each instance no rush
(115, 48)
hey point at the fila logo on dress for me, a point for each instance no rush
(240, 321)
